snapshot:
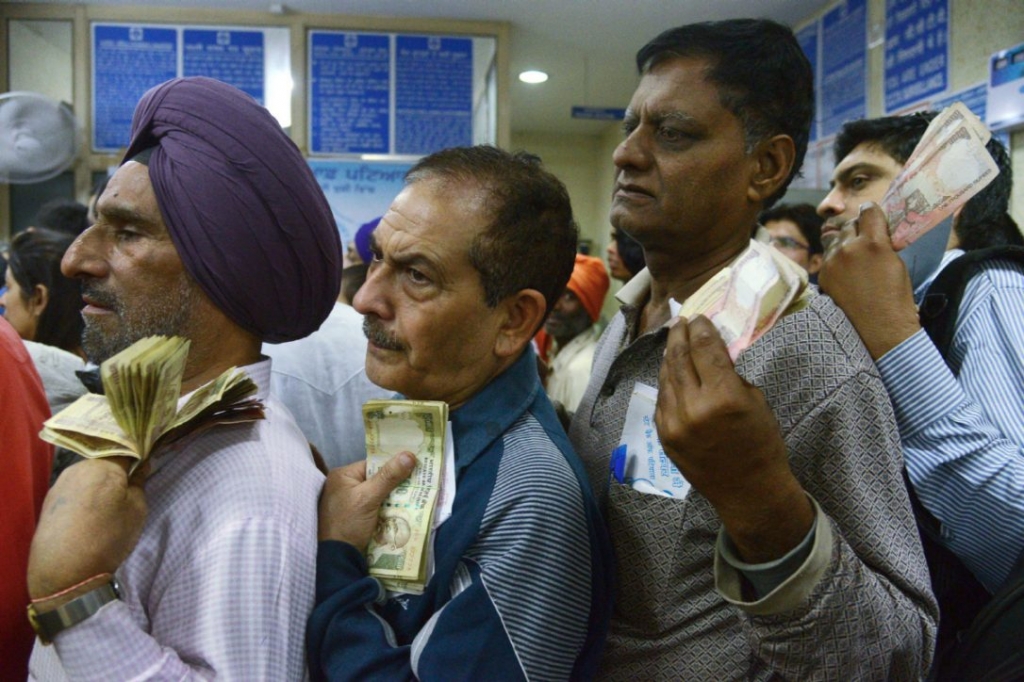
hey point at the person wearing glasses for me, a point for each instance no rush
(795, 230)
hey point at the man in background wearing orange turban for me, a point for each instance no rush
(571, 325)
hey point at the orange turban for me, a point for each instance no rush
(589, 281)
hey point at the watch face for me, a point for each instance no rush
(49, 624)
(33, 619)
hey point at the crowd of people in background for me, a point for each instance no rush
(852, 490)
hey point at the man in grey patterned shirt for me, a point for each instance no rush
(794, 555)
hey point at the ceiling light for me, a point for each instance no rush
(533, 76)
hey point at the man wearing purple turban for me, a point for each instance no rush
(213, 228)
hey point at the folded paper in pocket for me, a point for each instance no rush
(640, 461)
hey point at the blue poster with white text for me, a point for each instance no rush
(808, 39)
(235, 57)
(916, 51)
(843, 65)
(127, 61)
(433, 93)
(349, 92)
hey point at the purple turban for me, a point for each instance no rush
(242, 207)
(362, 239)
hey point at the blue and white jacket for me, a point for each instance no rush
(521, 588)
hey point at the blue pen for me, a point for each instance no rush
(618, 463)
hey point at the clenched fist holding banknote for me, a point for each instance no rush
(867, 245)
(385, 506)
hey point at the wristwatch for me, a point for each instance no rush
(49, 623)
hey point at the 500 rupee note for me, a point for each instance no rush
(949, 165)
(399, 550)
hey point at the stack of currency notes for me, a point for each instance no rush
(139, 409)
(744, 299)
(949, 166)
(400, 554)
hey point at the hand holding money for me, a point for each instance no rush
(350, 502)
(139, 409)
(722, 435)
(867, 279)
(400, 553)
(744, 299)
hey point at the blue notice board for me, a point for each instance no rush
(433, 93)
(358, 191)
(916, 51)
(808, 39)
(349, 88)
(976, 99)
(843, 95)
(235, 57)
(599, 113)
(127, 61)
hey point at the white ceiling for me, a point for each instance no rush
(586, 46)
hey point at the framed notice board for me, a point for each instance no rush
(388, 94)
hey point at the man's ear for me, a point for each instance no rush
(814, 263)
(774, 160)
(524, 312)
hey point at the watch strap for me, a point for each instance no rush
(50, 623)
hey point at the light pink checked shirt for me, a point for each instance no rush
(222, 579)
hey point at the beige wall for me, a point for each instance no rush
(583, 163)
(575, 160)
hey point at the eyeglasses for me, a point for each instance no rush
(788, 243)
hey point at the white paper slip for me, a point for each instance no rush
(640, 461)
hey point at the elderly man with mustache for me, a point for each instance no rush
(467, 262)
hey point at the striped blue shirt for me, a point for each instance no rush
(963, 434)
(520, 589)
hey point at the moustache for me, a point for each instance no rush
(100, 297)
(380, 337)
(834, 223)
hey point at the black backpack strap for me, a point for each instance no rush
(991, 650)
(938, 310)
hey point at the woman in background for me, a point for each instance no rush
(44, 307)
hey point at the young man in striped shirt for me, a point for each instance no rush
(960, 417)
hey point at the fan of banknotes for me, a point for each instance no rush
(400, 554)
(948, 166)
(139, 409)
(744, 299)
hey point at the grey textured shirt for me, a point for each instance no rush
(860, 606)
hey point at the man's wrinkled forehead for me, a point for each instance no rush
(653, 100)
